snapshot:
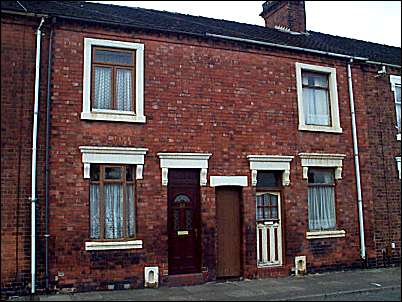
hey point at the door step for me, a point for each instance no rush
(185, 279)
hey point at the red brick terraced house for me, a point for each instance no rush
(145, 148)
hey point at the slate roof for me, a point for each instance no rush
(196, 25)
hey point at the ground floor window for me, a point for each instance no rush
(112, 202)
(321, 199)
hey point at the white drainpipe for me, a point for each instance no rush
(357, 167)
(34, 142)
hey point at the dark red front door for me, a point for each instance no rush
(184, 221)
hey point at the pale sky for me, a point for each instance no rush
(374, 21)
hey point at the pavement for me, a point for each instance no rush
(383, 284)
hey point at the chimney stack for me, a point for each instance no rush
(286, 14)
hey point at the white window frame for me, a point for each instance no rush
(333, 98)
(113, 115)
(398, 165)
(395, 80)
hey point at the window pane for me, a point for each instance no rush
(94, 211)
(103, 88)
(268, 179)
(94, 171)
(130, 210)
(320, 176)
(112, 173)
(321, 208)
(259, 199)
(113, 195)
(124, 90)
(129, 173)
(274, 213)
(115, 57)
(189, 219)
(316, 106)
(315, 79)
(398, 106)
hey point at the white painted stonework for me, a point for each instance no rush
(215, 181)
(322, 160)
(113, 155)
(325, 234)
(112, 245)
(184, 161)
(270, 162)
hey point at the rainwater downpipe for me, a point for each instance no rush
(34, 143)
(357, 166)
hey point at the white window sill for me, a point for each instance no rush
(320, 128)
(398, 137)
(112, 245)
(113, 117)
(268, 265)
(325, 234)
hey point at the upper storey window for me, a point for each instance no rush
(317, 98)
(113, 81)
(396, 88)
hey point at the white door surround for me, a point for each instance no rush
(215, 181)
(270, 163)
(184, 161)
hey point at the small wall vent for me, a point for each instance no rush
(300, 265)
(151, 276)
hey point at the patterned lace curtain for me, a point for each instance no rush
(130, 210)
(113, 195)
(321, 208)
(316, 106)
(103, 88)
(94, 210)
(124, 90)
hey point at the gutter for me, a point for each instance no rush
(356, 159)
(34, 149)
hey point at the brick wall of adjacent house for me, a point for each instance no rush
(200, 96)
(18, 46)
(383, 149)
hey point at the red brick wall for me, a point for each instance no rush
(227, 100)
(18, 46)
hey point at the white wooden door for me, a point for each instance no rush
(269, 229)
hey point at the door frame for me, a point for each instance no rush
(239, 189)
